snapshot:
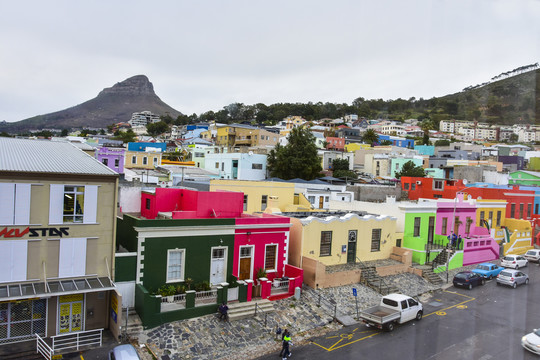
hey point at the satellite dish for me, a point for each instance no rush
(465, 182)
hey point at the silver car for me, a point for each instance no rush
(124, 352)
(531, 341)
(514, 261)
(512, 278)
(532, 255)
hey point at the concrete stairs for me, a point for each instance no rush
(244, 310)
(370, 278)
(134, 324)
(430, 276)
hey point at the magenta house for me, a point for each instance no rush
(459, 216)
(111, 157)
(261, 242)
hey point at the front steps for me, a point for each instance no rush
(244, 310)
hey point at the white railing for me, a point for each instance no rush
(280, 286)
(176, 302)
(43, 348)
(206, 297)
(74, 341)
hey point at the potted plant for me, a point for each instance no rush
(168, 291)
(188, 282)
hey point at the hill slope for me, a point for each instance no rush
(112, 105)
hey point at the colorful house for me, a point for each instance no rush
(524, 177)
(57, 231)
(186, 240)
(242, 166)
(430, 188)
(112, 158)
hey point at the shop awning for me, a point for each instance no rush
(40, 289)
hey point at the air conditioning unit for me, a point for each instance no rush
(418, 182)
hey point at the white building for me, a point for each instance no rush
(241, 166)
(143, 118)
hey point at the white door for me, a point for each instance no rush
(217, 267)
(127, 290)
(407, 313)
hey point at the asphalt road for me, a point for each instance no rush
(484, 323)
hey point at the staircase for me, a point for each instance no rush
(441, 258)
(134, 325)
(370, 278)
(244, 310)
(430, 276)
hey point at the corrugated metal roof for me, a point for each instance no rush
(44, 156)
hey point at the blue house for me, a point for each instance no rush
(141, 146)
(397, 141)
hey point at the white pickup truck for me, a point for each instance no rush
(394, 308)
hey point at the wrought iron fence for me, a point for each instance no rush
(206, 297)
(280, 286)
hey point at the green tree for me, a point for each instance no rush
(298, 159)
(345, 174)
(4, 134)
(443, 142)
(157, 128)
(340, 164)
(409, 169)
(370, 137)
(127, 136)
(64, 133)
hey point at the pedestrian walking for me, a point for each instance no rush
(286, 335)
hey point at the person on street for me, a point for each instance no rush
(287, 343)
(284, 335)
(223, 309)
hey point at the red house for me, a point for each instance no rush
(335, 143)
(430, 188)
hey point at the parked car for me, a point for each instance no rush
(393, 309)
(512, 278)
(488, 270)
(468, 279)
(124, 352)
(531, 341)
(514, 261)
(532, 255)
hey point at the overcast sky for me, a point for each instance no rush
(204, 55)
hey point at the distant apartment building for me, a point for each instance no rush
(143, 118)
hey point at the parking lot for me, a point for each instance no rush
(486, 322)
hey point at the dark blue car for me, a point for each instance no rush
(468, 279)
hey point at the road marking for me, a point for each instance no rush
(82, 358)
(348, 338)
(469, 298)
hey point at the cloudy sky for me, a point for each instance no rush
(204, 55)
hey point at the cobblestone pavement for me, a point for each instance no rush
(208, 338)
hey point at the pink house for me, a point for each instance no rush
(261, 242)
(459, 216)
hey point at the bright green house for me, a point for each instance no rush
(524, 177)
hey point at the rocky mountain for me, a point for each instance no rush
(112, 105)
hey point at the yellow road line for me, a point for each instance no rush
(334, 346)
(470, 298)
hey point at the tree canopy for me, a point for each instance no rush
(370, 137)
(297, 159)
(156, 129)
(410, 169)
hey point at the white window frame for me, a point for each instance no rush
(56, 204)
(134, 159)
(145, 160)
(274, 269)
(182, 265)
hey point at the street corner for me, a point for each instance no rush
(335, 341)
(445, 301)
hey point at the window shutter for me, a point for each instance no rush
(65, 258)
(7, 201)
(5, 261)
(13, 260)
(56, 204)
(90, 204)
(79, 257)
(22, 204)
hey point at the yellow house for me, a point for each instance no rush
(142, 160)
(352, 147)
(265, 196)
(341, 239)
(513, 234)
(254, 137)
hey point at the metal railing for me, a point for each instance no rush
(259, 309)
(43, 348)
(280, 286)
(178, 298)
(74, 341)
(383, 286)
(206, 297)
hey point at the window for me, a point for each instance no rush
(468, 225)
(513, 211)
(326, 243)
(529, 208)
(444, 225)
(256, 166)
(217, 165)
(73, 204)
(406, 186)
(375, 240)
(413, 186)
(145, 160)
(326, 198)
(490, 218)
(498, 218)
(438, 184)
(482, 215)
(521, 211)
(105, 162)
(222, 166)
(116, 162)
(15, 204)
(457, 222)
(416, 226)
(134, 159)
(270, 257)
(175, 265)
(245, 202)
(264, 202)
(311, 199)
(148, 203)
(155, 161)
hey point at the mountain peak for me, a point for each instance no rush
(135, 85)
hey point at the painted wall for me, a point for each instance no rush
(135, 159)
(396, 164)
(112, 155)
(250, 166)
(340, 226)
(525, 178)
(427, 188)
